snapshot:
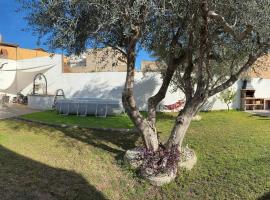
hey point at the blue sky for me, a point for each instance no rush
(12, 25)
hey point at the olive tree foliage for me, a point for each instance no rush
(77, 24)
(203, 46)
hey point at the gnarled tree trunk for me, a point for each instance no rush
(157, 98)
(182, 123)
(144, 127)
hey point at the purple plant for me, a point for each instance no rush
(162, 161)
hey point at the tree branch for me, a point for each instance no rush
(154, 100)
(230, 29)
(172, 66)
(116, 48)
(203, 51)
(252, 59)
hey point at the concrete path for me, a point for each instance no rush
(262, 113)
(14, 110)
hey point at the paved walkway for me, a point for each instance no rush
(14, 110)
(262, 113)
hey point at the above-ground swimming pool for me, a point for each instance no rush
(88, 106)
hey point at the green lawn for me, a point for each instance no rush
(118, 121)
(40, 162)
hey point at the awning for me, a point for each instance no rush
(16, 76)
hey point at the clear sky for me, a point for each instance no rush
(12, 25)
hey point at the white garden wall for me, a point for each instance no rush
(106, 85)
(110, 84)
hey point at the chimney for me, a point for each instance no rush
(247, 85)
(1, 38)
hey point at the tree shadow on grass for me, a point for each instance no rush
(113, 142)
(266, 196)
(24, 179)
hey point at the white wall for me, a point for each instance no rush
(106, 85)
(214, 103)
(262, 90)
(262, 87)
(110, 85)
(101, 84)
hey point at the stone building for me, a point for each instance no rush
(98, 60)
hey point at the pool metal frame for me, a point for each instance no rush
(86, 103)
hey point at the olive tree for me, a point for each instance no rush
(203, 46)
(75, 25)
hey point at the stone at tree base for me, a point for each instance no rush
(134, 157)
(197, 118)
(162, 179)
(188, 158)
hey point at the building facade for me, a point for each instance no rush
(98, 60)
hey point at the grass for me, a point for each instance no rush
(118, 121)
(39, 162)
